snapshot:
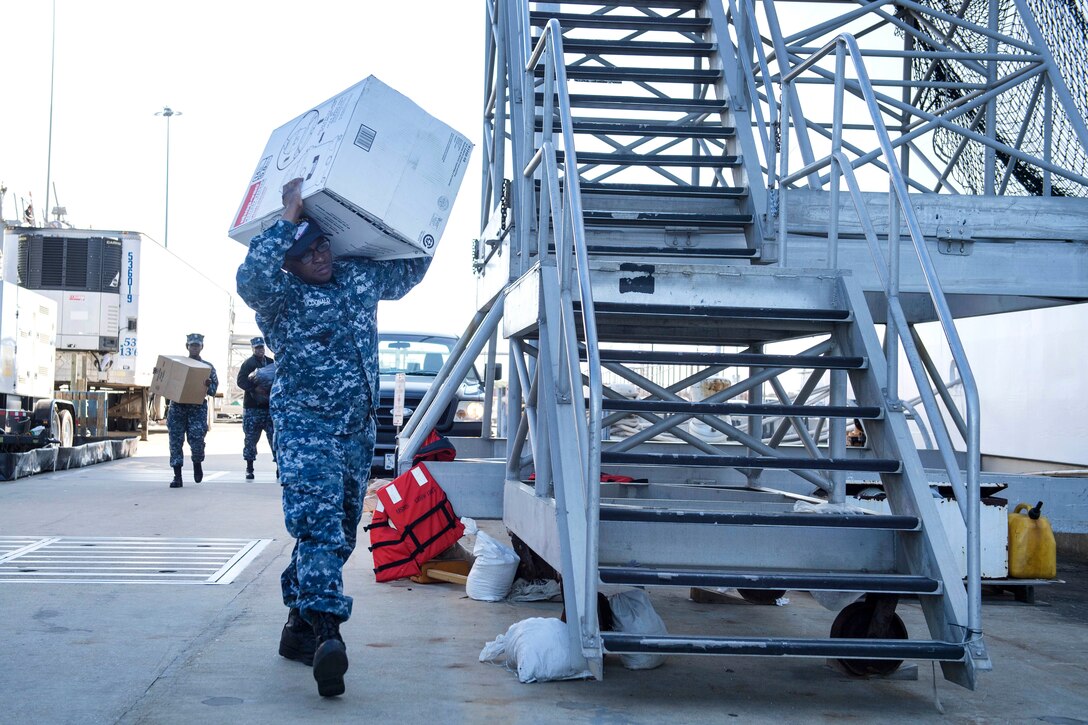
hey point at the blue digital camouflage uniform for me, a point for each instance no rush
(255, 416)
(254, 422)
(189, 420)
(325, 338)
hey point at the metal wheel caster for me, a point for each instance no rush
(869, 620)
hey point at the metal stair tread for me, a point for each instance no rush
(874, 465)
(720, 193)
(621, 159)
(632, 74)
(866, 412)
(738, 313)
(843, 648)
(744, 359)
(639, 48)
(636, 250)
(797, 580)
(630, 512)
(665, 219)
(644, 127)
(651, 103)
(634, 22)
(672, 4)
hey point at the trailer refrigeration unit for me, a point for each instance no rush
(122, 300)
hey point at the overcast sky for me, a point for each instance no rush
(235, 70)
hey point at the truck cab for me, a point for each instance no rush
(420, 356)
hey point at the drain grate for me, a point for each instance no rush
(125, 560)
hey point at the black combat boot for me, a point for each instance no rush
(198, 472)
(176, 483)
(331, 656)
(297, 640)
(249, 470)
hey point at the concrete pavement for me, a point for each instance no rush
(189, 652)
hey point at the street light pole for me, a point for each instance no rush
(167, 113)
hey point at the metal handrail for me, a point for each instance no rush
(747, 28)
(846, 45)
(572, 265)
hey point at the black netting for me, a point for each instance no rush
(1064, 26)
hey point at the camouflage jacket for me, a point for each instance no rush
(325, 336)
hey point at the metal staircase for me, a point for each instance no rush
(636, 210)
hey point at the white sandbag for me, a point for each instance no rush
(633, 613)
(494, 569)
(538, 649)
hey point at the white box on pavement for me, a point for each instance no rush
(380, 174)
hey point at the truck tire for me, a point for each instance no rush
(63, 428)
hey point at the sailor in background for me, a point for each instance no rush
(255, 415)
(190, 419)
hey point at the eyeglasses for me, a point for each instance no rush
(320, 248)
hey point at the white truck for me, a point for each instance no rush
(122, 300)
(32, 418)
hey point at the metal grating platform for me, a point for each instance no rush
(125, 560)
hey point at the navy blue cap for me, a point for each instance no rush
(194, 338)
(256, 341)
(307, 232)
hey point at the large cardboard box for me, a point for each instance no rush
(380, 174)
(180, 379)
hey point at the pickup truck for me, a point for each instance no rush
(420, 356)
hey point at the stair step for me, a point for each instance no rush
(714, 193)
(604, 250)
(625, 127)
(868, 465)
(631, 512)
(737, 313)
(638, 75)
(842, 581)
(644, 103)
(779, 410)
(666, 219)
(622, 159)
(639, 48)
(742, 359)
(620, 22)
(659, 4)
(870, 649)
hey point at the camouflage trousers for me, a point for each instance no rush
(324, 479)
(186, 421)
(255, 420)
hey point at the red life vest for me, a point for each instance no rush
(435, 448)
(417, 506)
(392, 554)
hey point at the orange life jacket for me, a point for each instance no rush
(392, 555)
(417, 506)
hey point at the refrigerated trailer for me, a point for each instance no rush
(122, 300)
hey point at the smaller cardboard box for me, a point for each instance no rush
(180, 379)
(380, 174)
